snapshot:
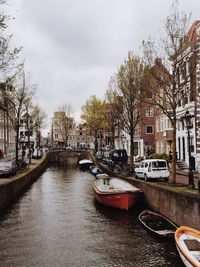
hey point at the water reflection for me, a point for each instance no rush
(58, 223)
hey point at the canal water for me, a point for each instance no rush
(57, 222)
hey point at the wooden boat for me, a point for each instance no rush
(188, 245)
(157, 224)
(115, 192)
(85, 164)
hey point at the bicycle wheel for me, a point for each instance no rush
(117, 168)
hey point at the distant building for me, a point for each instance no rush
(77, 134)
(80, 137)
(58, 124)
(26, 135)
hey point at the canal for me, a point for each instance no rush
(57, 222)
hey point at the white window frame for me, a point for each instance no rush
(152, 129)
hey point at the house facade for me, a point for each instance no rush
(79, 137)
(189, 77)
(7, 132)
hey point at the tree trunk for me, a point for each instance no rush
(29, 148)
(173, 164)
(95, 142)
(132, 149)
(112, 142)
(17, 146)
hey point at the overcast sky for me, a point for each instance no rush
(72, 47)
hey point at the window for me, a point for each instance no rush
(137, 131)
(161, 123)
(169, 124)
(56, 136)
(149, 95)
(158, 125)
(149, 112)
(149, 129)
(183, 72)
(158, 164)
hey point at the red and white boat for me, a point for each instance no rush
(115, 192)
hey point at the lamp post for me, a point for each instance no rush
(188, 120)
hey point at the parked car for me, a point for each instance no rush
(153, 169)
(8, 168)
(117, 156)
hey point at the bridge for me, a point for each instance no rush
(67, 157)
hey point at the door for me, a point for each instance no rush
(183, 143)
(179, 148)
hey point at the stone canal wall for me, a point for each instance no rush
(179, 204)
(11, 188)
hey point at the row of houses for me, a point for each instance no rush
(153, 133)
(8, 133)
(154, 130)
(8, 137)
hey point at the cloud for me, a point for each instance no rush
(72, 47)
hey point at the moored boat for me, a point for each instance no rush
(85, 163)
(102, 175)
(188, 245)
(115, 192)
(96, 171)
(157, 224)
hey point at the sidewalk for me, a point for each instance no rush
(182, 177)
(22, 172)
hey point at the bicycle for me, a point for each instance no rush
(123, 169)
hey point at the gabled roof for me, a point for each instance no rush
(192, 33)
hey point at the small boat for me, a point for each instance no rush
(96, 171)
(157, 224)
(85, 164)
(115, 192)
(91, 167)
(102, 175)
(188, 244)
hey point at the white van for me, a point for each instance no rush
(153, 169)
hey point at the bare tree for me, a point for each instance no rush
(164, 67)
(111, 109)
(8, 56)
(65, 121)
(35, 121)
(15, 100)
(129, 81)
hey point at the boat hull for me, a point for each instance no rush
(157, 224)
(188, 245)
(121, 201)
(184, 260)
